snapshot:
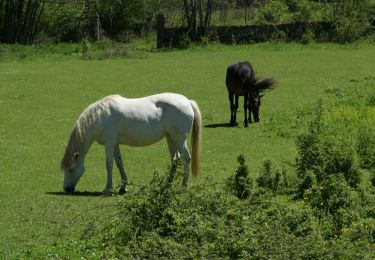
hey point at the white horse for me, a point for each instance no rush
(116, 120)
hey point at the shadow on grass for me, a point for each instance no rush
(220, 125)
(76, 193)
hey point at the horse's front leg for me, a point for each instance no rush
(245, 107)
(120, 166)
(109, 151)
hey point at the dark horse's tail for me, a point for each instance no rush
(266, 84)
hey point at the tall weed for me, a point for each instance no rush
(240, 184)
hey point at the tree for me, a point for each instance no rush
(19, 20)
(196, 12)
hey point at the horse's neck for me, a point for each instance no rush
(85, 141)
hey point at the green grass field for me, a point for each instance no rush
(40, 99)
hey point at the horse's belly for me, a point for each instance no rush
(141, 136)
(236, 90)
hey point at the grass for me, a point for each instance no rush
(42, 96)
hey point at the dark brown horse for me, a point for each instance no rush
(241, 81)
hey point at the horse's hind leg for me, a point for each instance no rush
(245, 106)
(186, 156)
(235, 109)
(173, 152)
(177, 148)
(120, 166)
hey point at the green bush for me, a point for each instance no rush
(351, 20)
(350, 29)
(182, 41)
(274, 11)
(366, 146)
(308, 37)
(163, 220)
(272, 179)
(326, 152)
(240, 184)
(330, 195)
(309, 155)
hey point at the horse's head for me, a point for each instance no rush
(254, 104)
(73, 171)
(255, 97)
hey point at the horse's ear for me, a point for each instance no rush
(75, 156)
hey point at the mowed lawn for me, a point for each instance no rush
(41, 99)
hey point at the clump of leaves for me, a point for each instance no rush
(366, 147)
(272, 179)
(321, 155)
(240, 184)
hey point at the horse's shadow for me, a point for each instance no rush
(220, 125)
(76, 193)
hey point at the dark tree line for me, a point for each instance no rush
(20, 20)
(25, 21)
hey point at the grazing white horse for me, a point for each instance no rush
(116, 120)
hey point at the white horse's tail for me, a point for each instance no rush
(196, 139)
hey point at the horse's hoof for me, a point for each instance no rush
(122, 191)
(106, 193)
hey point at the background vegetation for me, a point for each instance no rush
(302, 187)
(41, 21)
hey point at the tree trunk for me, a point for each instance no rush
(20, 20)
(190, 8)
(207, 19)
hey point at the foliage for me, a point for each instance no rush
(352, 20)
(330, 195)
(308, 37)
(164, 221)
(181, 42)
(274, 11)
(85, 50)
(325, 155)
(119, 16)
(240, 184)
(19, 20)
(274, 180)
(366, 146)
(62, 22)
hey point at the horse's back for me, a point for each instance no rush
(155, 105)
(237, 74)
(143, 121)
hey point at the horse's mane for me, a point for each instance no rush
(77, 137)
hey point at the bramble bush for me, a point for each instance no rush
(272, 179)
(325, 154)
(366, 146)
(240, 184)
(164, 220)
